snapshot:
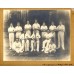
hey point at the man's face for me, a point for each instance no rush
(17, 40)
(44, 23)
(18, 24)
(35, 21)
(48, 31)
(60, 23)
(27, 22)
(52, 23)
(11, 25)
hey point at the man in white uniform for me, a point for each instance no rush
(18, 30)
(27, 42)
(17, 46)
(36, 27)
(52, 47)
(11, 31)
(22, 39)
(61, 31)
(44, 29)
(38, 41)
(52, 28)
(47, 41)
(33, 44)
(27, 28)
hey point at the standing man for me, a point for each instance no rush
(52, 28)
(11, 31)
(18, 30)
(44, 30)
(61, 31)
(22, 39)
(36, 27)
(27, 28)
(33, 42)
(38, 41)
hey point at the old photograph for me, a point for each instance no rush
(36, 35)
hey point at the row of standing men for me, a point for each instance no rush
(26, 41)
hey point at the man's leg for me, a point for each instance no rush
(43, 45)
(27, 45)
(58, 40)
(62, 41)
(32, 45)
(37, 45)
(10, 41)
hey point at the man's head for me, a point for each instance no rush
(60, 22)
(48, 31)
(43, 23)
(52, 23)
(27, 22)
(51, 42)
(11, 25)
(17, 40)
(18, 24)
(36, 21)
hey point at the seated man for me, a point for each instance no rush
(35, 42)
(47, 40)
(22, 39)
(50, 48)
(17, 46)
(27, 42)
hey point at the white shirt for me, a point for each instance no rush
(52, 27)
(36, 26)
(27, 26)
(38, 35)
(11, 29)
(61, 28)
(49, 35)
(18, 28)
(22, 37)
(44, 28)
(27, 36)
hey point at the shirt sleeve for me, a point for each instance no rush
(63, 28)
(20, 28)
(8, 29)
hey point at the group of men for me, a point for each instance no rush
(44, 36)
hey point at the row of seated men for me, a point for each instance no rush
(24, 41)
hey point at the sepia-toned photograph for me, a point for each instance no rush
(36, 35)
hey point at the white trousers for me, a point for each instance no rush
(18, 50)
(18, 34)
(43, 34)
(33, 44)
(61, 39)
(23, 45)
(11, 39)
(27, 45)
(45, 45)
